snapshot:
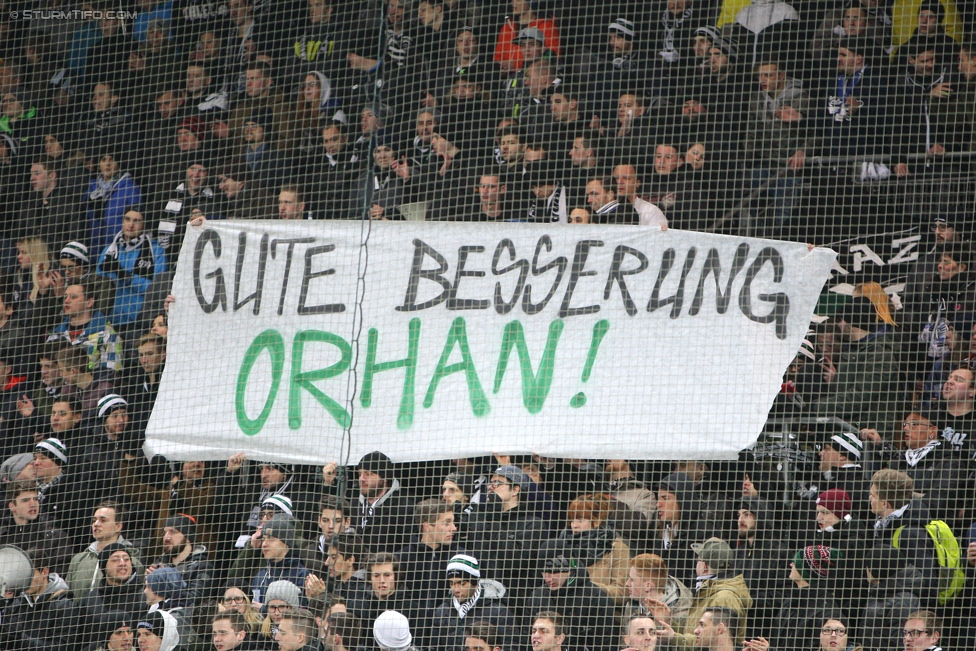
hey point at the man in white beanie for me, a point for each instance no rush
(391, 630)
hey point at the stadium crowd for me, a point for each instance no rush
(119, 134)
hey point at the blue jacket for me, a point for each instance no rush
(104, 217)
(132, 265)
(288, 569)
(99, 339)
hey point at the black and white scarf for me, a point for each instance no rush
(912, 457)
(465, 608)
(145, 263)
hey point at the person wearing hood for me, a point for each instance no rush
(158, 631)
(505, 534)
(759, 553)
(278, 541)
(595, 544)
(85, 573)
(654, 593)
(766, 27)
(938, 472)
(180, 552)
(716, 585)
(864, 379)
(112, 632)
(317, 102)
(473, 599)
(678, 518)
(120, 589)
(567, 589)
(38, 617)
(166, 590)
(902, 567)
(110, 195)
(131, 260)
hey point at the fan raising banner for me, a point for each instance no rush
(292, 341)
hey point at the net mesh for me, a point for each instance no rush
(345, 207)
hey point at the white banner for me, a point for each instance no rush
(293, 342)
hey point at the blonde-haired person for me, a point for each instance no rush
(600, 547)
(655, 593)
(237, 599)
(875, 293)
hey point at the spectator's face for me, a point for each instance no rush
(75, 303)
(677, 7)
(959, 386)
(531, 50)
(771, 79)
(394, 12)
(578, 525)
(667, 160)
(333, 140)
(579, 216)
(117, 421)
(104, 527)
(318, 10)
(193, 470)
(948, 268)
(235, 600)
(12, 107)
(695, 156)
(443, 529)
(461, 589)
(168, 104)
(476, 644)
(620, 44)
(520, 6)
(875, 502)
(918, 431)
(103, 98)
(173, 540)
(50, 373)
(924, 63)
(627, 181)
(642, 634)
(255, 84)
(273, 549)
(276, 609)
(224, 637)
(186, 140)
(25, 506)
(847, 62)
(579, 154)
(151, 359)
(107, 167)
(833, 636)
(207, 45)
(289, 207)
(52, 147)
(253, 133)
(463, 90)
(132, 224)
(425, 127)
(855, 21)
(718, 61)
(312, 90)
(628, 108)
(916, 637)
(44, 468)
(705, 632)
(371, 485)
(466, 45)
(928, 22)
(943, 232)
(967, 64)
(701, 45)
(383, 580)
(271, 476)
(331, 522)
(239, 11)
(40, 177)
(555, 580)
(339, 564)
(825, 518)
(544, 636)
(196, 80)
(537, 80)
(288, 638)
(196, 176)
(119, 566)
(450, 492)
(368, 122)
(668, 507)
(511, 148)
(561, 108)
(151, 596)
(121, 639)
(638, 585)
(62, 418)
(830, 457)
(597, 195)
(746, 523)
(427, 13)
(383, 156)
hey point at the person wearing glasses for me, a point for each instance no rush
(280, 596)
(836, 635)
(922, 631)
(236, 600)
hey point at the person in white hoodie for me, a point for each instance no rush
(39, 615)
(158, 631)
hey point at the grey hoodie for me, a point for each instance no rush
(769, 141)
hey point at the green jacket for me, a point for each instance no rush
(84, 574)
(723, 591)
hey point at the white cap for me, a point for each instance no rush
(391, 630)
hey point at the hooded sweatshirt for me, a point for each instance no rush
(170, 634)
